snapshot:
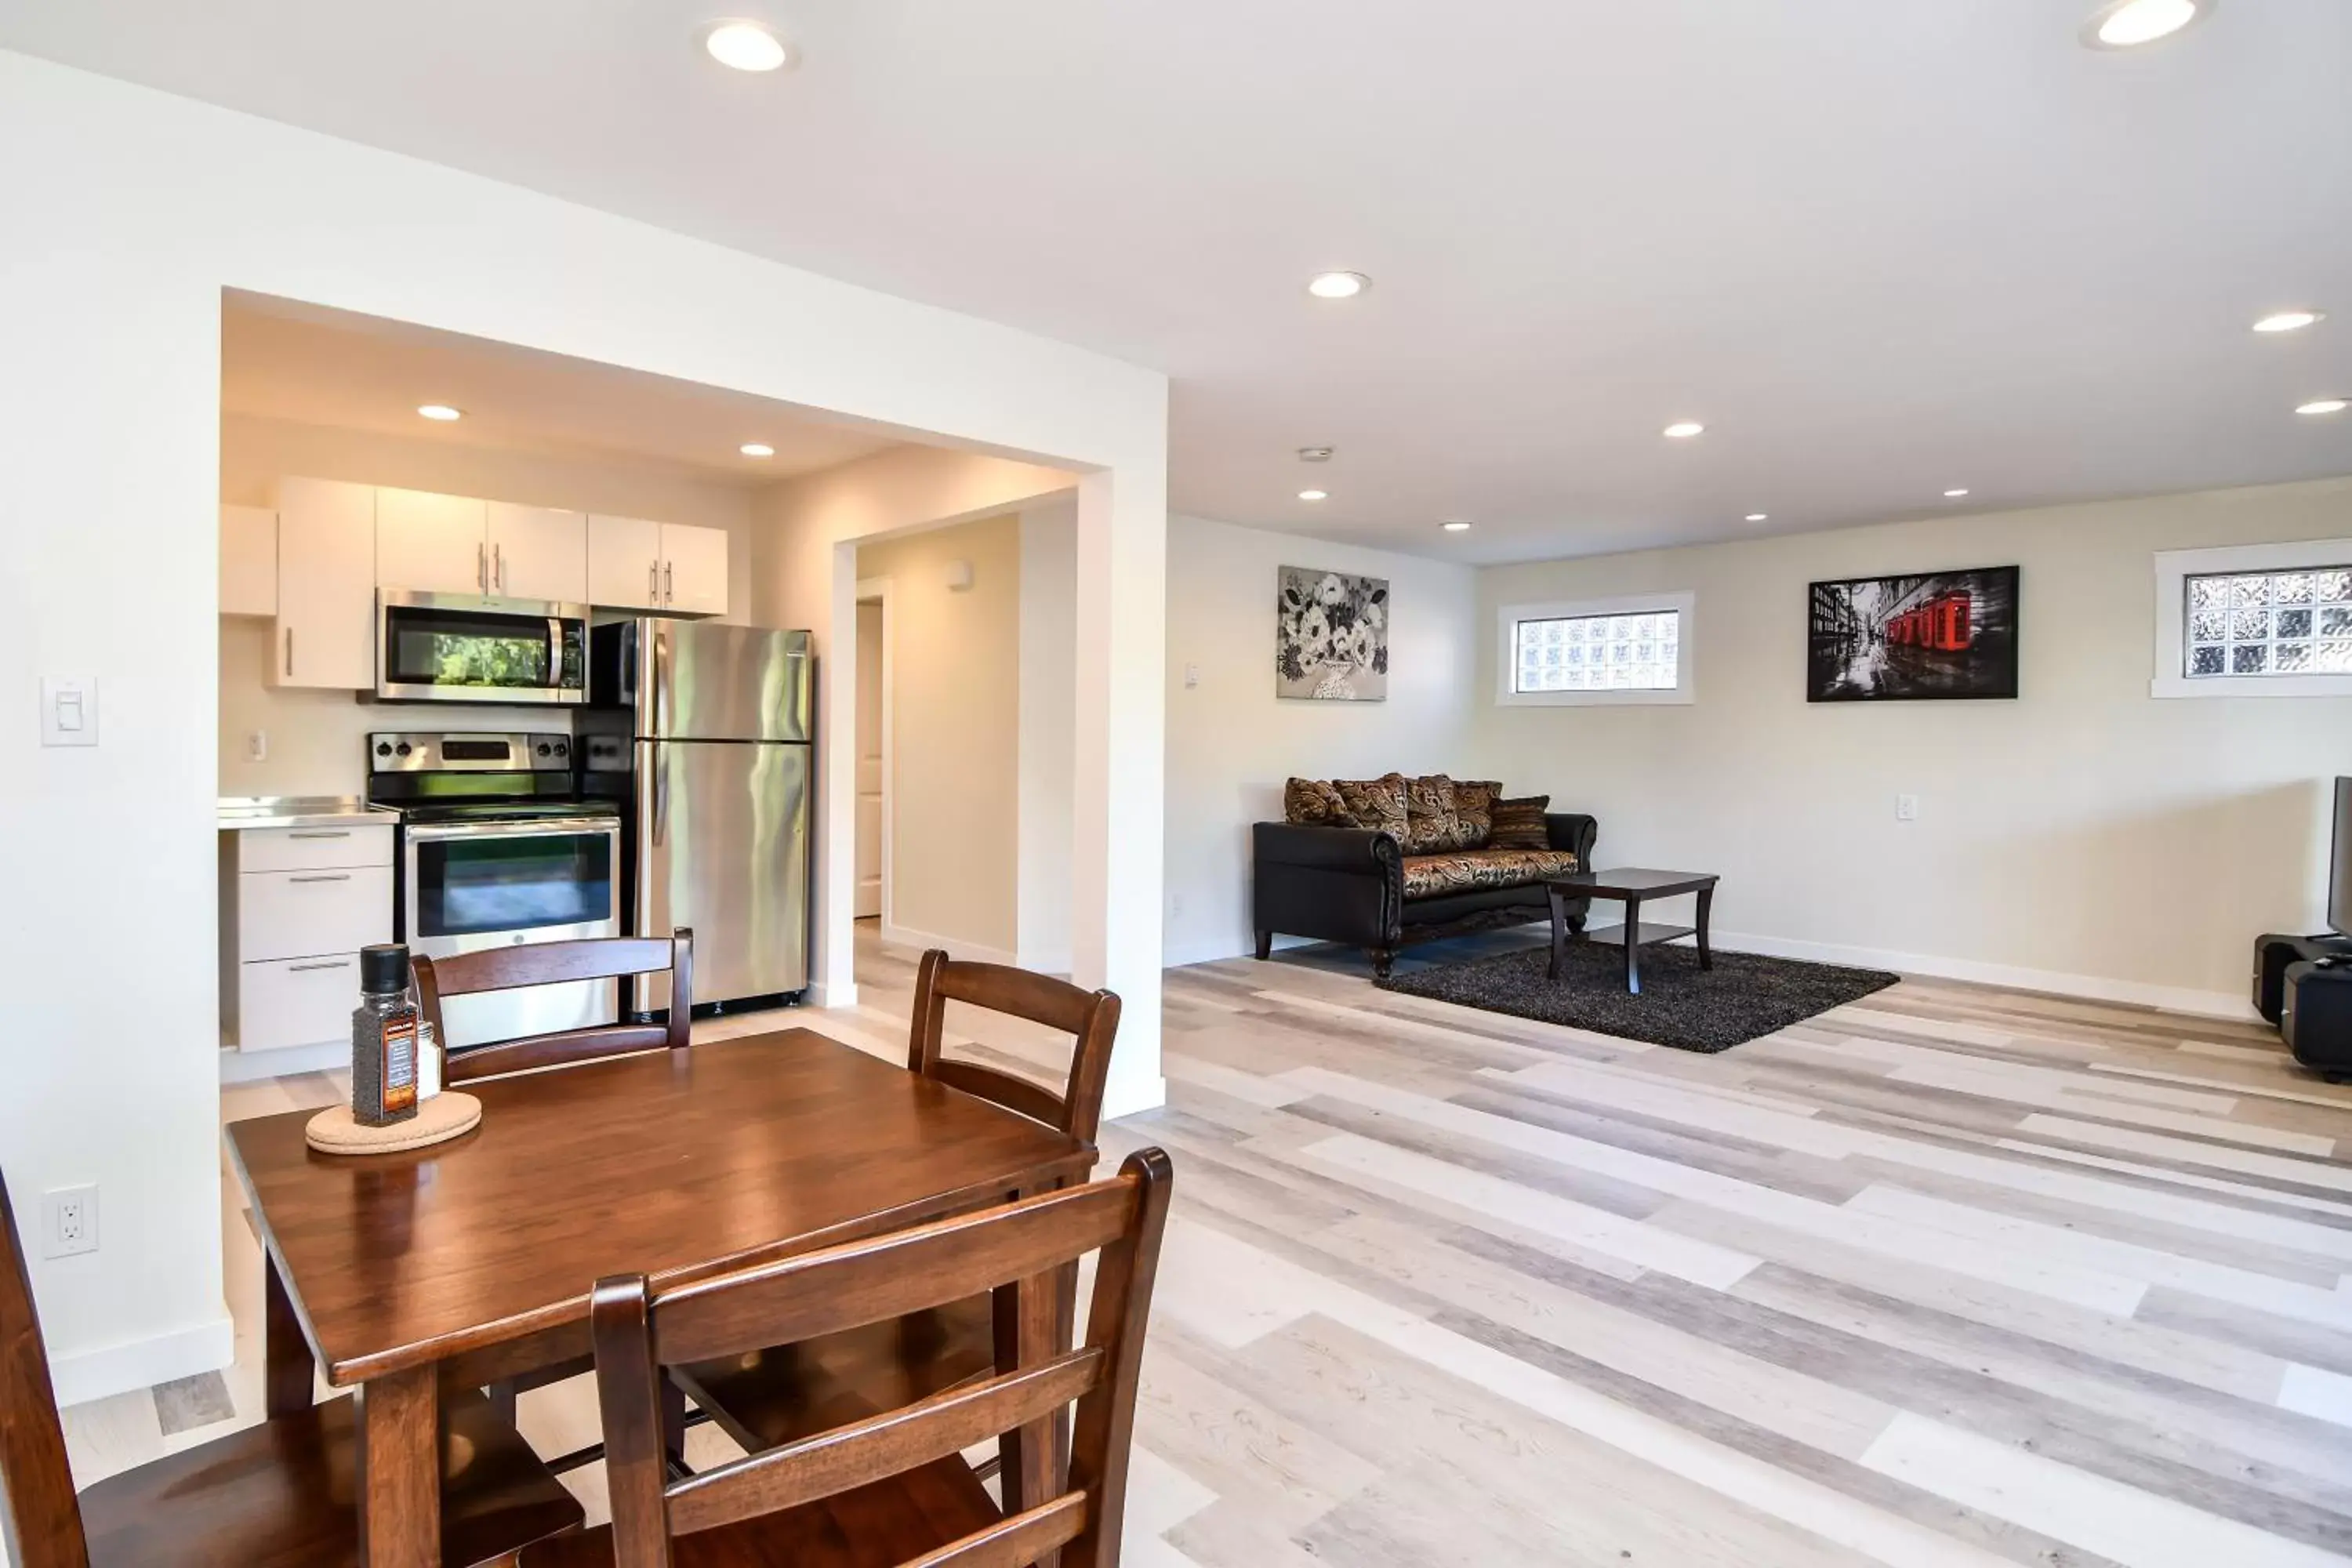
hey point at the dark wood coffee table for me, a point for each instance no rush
(1631, 884)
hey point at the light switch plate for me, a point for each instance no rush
(69, 711)
(1906, 808)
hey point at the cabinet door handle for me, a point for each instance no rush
(290, 653)
(669, 580)
(337, 833)
(304, 968)
(482, 567)
(499, 567)
(332, 877)
(653, 582)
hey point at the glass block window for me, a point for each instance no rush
(2269, 623)
(1640, 652)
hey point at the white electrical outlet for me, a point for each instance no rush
(69, 1221)
(257, 745)
(1191, 676)
(1906, 808)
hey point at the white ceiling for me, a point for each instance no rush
(329, 367)
(1882, 247)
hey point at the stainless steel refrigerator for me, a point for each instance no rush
(707, 733)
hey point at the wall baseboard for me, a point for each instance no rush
(2086, 987)
(972, 952)
(142, 1364)
(820, 994)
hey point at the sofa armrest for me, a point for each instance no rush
(1575, 831)
(1363, 850)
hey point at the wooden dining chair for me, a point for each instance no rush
(279, 1492)
(786, 1392)
(554, 964)
(890, 1488)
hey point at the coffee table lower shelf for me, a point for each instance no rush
(1652, 934)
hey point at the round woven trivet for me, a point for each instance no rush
(443, 1117)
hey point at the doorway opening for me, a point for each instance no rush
(873, 744)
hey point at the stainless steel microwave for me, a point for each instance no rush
(462, 648)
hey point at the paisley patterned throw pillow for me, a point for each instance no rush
(1314, 803)
(1474, 813)
(1519, 824)
(1429, 814)
(1377, 804)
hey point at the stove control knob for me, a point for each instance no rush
(561, 748)
(402, 748)
(543, 748)
(383, 749)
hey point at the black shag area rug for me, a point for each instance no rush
(1744, 996)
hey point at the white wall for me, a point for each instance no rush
(1231, 742)
(2086, 838)
(315, 737)
(120, 238)
(1049, 687)
(955, 723)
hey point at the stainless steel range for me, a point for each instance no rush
(498, 847)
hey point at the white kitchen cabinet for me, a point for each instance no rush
(538, 552)
(300, 914)
(669, 567)
(694, 570)
(313, 849)
(427, 543)
(296, 1001)
(249, 561)
(624, 562)
(325, 585)
(296, 905)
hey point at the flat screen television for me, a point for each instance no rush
(2339, 868)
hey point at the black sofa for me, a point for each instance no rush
(1346, 885)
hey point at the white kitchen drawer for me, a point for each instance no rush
(312, 849)
(296, 1001)
(303, 914)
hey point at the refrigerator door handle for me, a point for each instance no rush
(661, 791)
(654, 681)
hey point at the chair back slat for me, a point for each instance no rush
(638, 1332)
(1001, 1089)
(847, 1456)
(555, 963)
(863, 1282)
(40, 1521)
(1091, 1016)
(1017, 1541)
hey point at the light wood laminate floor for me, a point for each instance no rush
(1952, 1276)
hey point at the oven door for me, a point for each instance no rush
(453, 648)
(469, 886)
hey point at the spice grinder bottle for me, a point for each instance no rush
(383, 1039)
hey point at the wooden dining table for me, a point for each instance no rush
(469, 1262)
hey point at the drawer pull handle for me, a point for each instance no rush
(301, 968)
(338, 833)
(332, 877)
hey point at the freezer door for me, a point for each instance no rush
(723, 847)
(696, 681)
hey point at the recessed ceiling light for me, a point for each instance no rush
(1454, 525)
(1315, 454)
(746, 46)
(440, 411)
(1314, 495)
(2290, 321)
(2126, 24)
(756, 449)
(1338, 285)
(1954, 495)
(1684, 429)
(1756, 517)
(2325, 406)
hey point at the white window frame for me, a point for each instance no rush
(2173, 570)
(1507, 659)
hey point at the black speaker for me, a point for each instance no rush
(2273, 953)
(2316, 1017)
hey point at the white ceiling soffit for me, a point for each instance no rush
(285, 360)
(1881, 249)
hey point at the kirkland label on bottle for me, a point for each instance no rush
(399, 1065)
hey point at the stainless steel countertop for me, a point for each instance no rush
(302, 811)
